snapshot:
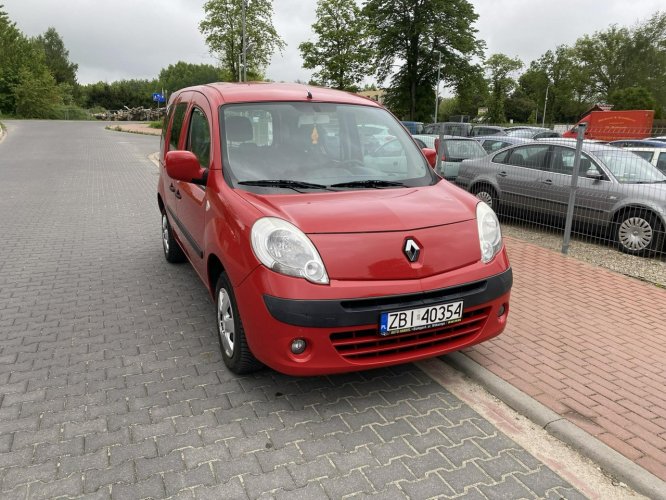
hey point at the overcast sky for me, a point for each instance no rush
(122, 39)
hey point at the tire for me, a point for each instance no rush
(639, 232)
(487, 194)
(172, 251)
(236, 353)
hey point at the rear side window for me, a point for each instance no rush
(493, 145)
(661, 162)
(646, 155)
(177, 124)
(501, 158)
(198, 140)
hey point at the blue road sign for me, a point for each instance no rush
(157, 97)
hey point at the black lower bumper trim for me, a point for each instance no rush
(355, 312)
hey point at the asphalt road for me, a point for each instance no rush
(111, 382)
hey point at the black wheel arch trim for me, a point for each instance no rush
(356, 312)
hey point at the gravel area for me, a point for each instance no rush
(586, 248)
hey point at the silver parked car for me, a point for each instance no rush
(617, 190)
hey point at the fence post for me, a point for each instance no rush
(574, 186)
(438, 163)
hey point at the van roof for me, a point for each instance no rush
(225, 92)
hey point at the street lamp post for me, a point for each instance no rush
(545, 102)
(244, 62)
(439, 65)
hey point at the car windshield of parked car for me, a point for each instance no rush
(464, 150)
(318, 146)
(629, 168)
(520, 132)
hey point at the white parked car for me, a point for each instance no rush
(656, 156)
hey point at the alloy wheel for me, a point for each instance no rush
(225, 322)
(165, 233)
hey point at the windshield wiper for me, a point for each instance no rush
(370, 183)
(283, 183)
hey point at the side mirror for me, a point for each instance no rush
(184, 166)
(593, 173)
(431, 156)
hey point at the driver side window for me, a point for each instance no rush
(198, 140)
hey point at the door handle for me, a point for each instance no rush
(178, 195)
(502, 174)
(172, 188)
(547, 181)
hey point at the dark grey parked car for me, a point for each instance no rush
(617, 190)
(494, 143)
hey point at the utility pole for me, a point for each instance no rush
(439, 65)
(244, 2)
(543, 118)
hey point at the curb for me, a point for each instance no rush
(608, 459)
(129, 130)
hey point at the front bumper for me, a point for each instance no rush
(342, 333)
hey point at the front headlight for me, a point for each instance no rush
(490, 235)
(285, 249)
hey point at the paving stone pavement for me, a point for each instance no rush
(112, 385)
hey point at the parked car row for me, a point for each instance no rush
(619, 193)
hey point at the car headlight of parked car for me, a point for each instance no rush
(490, 234)
(285, 249)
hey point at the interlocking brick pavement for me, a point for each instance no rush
(589, 344)
(111, 382)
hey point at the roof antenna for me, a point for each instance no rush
(309, 94)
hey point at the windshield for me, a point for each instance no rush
(522, 132)
(318, 145)
(464, 149)
(628, 167)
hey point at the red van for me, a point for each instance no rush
(613, 125)
(322, 254)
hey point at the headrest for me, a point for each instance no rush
(238, 128)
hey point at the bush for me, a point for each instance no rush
(69, 113)
(155, 124)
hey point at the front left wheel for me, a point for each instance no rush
(236, 353)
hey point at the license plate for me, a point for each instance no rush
(422, 318)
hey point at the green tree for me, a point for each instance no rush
(471, 90)
(182, 74)
(341, 49)
(36, 94)
(568, 85)
(57, 57)
(500, 69)
(603, 56)
(26, 85)
(222, 28)
(632, 98)
(120, 94)
(412, 32)
(647, 60)
(621, 58)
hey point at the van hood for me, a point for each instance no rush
(369, 210)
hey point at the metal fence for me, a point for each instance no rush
(610, 190)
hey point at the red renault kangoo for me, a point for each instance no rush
(324, 250)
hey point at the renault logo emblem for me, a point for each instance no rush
(412, 250)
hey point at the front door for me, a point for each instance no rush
(193, 199)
